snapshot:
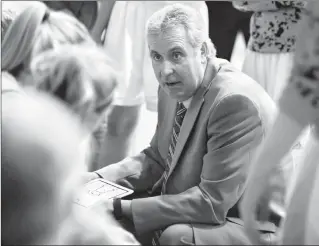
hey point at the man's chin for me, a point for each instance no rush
(179, 98)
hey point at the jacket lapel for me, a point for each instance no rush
(192, 112)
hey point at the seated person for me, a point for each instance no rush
(40, 175)
(195, 169)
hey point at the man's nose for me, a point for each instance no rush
(167, 69)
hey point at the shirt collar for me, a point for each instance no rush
(187, 102)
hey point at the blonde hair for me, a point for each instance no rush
(80, 75)
(181, 15)
(36, 29)
(7, 16)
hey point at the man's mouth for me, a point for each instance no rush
(172, 84)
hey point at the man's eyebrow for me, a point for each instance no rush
(176, 48)
(153, 52)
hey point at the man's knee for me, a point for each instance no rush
(178, 234)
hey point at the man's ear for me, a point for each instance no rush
(204, 52)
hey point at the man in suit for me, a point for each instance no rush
(211, 120)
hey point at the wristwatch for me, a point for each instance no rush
(117, 208)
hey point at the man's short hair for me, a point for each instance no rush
(181, 15)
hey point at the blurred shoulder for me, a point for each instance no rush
(9, 84)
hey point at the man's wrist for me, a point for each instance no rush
(117, 208)
(122, 208)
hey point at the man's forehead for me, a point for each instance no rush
(170, 39)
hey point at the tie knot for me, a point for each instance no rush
(180, 105)
(180, 108)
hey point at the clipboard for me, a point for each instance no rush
(98, 190)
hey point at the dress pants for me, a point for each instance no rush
(228, 233)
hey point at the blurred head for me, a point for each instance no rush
(37, 29)
(79, 75)
(7, 16)
(41, 166)
(179, 46)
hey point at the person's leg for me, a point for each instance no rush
(244, 25)
(222, 33)
(121, 124)
(124, 44)
(202, 234)
(127, 224)
(179, 234)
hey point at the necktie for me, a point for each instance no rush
(178, 121)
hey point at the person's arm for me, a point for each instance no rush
(102, 19)
(298, 108)
(140, 172)
(234, 130)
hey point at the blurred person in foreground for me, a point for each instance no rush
(35, 30)
(211, 120)
(81, 76)
(7, 16)
(40, 175)
(299, 107)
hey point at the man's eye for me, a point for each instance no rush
(156, 57)
(177, 55)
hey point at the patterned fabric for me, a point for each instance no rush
(180, 113)
(303, 91)
(273, 25)
(178, 121)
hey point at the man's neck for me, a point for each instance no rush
(187, 102)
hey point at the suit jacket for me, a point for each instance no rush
(226, 121)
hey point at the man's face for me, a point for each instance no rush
(177, 64)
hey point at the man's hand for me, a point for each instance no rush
(89, 176)
(103, 207)
(255, 209)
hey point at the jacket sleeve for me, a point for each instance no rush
(234, 129)
(140, 172)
